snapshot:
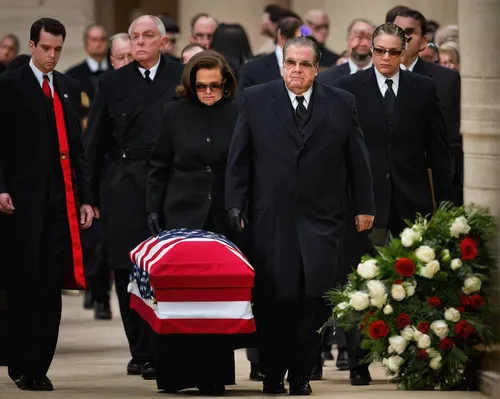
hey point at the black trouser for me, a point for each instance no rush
(97, 273)
(288, 337)
(139, 333)
(34, 294)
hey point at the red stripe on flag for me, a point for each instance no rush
(204, 295)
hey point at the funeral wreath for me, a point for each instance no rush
(422, 302)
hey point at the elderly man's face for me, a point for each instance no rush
(320, 27)
(121, 53)
(203, 31)
(359, 41)
(8, 50)
(299, 68)
(146, 42)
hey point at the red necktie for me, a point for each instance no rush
(46, 87)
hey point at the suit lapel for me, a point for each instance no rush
(62, 91)
(283, 108)
(421, 69)
(373, 96)
(32, 91)
(319, 111)
(403, 99)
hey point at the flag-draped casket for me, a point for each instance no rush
(192, 282)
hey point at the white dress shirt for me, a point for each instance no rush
(410, 68)
(354, 68)
(383, 86)
(39, 76)
(94, 65)
(278, 51)
(152, 71)
(307, 97)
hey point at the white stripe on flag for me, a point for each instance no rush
(205, 310)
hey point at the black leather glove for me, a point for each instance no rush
(236, 215)
(154, 223)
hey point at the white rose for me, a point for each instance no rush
(440, 328)
(425, 253)
(459, 226)
(379, 301)
(388, 309)
(340, 308)
(472, 284)
(390, 349)
(409, 237)
(407, 333)
(424, 341)
(368, 269)
(417, 335)
(445, 255)
(452, 314)
(398, 343)
(435, 363)
(398, 292)
(359, 300)
(409, 288)
(385, 362)
(430, 269)
(394, 363)
(433, 353)
(456, 264)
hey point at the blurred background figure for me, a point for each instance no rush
(190, 50)
(343, 58)
(202, 29)
(9, 49)
(172, 36)
(430, 53)
(272, 15)
(432, 27)
(319, 23)
(120, 53)
(449, 55)
(393, 13)
(232, 42)
(446, 33)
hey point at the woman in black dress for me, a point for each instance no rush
(186, 190)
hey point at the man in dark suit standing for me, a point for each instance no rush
(359, 38)
(45, 196)
(447, 81)
(296, 146)
(319, 23)
(123, 125)
(267, 68)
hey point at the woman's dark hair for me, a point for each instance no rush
(231, 41)
(207, 59)
(52, 26)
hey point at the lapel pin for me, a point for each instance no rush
(65, 96)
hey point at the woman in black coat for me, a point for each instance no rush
(186, 190)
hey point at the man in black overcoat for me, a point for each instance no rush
(296, 146)
(123, 125)
(45, 199)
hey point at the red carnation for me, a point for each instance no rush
(423, 327)
(378, 329)
(476, 301)
(398, 281)
(461, 309)
(446, 345)
(405, 267)
(423, 354)
(464, 300)
(468, 249)
(403, 320)
(434, 302)
(464, 329)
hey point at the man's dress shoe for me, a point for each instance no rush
(149, 372)
(273, 387)
(342, 360)
(36, 384)
(102, 310)
(134, 368)
(300, 388)
(255, 374)
(360, 377)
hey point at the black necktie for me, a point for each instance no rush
(390, 97)
(146, 76)
(301, 111)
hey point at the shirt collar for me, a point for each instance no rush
(278, 51)
(152, 70)
(307, 96)
(354, 68)
(381, 78)
(410, 68)
(94, 65)
(39, 74)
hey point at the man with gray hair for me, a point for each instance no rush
(122, 128)
(319, 23)
(9, 49)
(296, 146)
(120, 52)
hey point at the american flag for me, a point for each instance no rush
(192, 282)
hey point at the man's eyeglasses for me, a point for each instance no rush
(201, 36)
(392, 52)
(304, 65)
(202, 87)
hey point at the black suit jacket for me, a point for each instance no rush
(258, 71)
(296, 187)
(189, 164)
(332, 75)
(82, 74)
(328, 58)
(401, 153)
(123, 125)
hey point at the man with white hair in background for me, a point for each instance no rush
(319, 23)
(120, 52)
(122, 128)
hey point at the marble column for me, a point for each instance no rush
(341, 13)
(479, 22)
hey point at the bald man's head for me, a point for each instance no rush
(319, 22)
